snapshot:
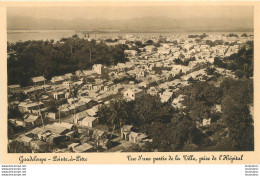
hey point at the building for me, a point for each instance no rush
(137, 137)
(83, 148)
(132, 93)
(125, 131)
(131, 53)
(150, 48)
(176, 103)
(166, 96)
(89, 122)
(206, 122)
(39, 146)
(14, 87)
(59, 95)
(31, 121)
(28, 107)
(98, 68)
(26, 141)
(40, 80)
(57, 80)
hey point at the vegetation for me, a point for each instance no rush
(183, 61)
(37, 58)
(144, 110)
(18, 147)
(231, 128)
(214, 43)
(242, 63)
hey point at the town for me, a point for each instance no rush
(170, 93)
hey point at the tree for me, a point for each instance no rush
(191, 80)
(138, 44)
(144, 110)
(172, 136)
(36, 98)
(13, 112)
(18, 147)
(200, 110)
(149, 42)
(203, 36)
(210, 70)
(115, 113)
(236, 115)
(35, 58)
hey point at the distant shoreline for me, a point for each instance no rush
(126, 31)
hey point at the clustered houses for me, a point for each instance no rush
(156, 70)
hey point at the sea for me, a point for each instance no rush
(14, 36)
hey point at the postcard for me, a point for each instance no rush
(130, 82)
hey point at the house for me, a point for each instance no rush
(32, 121)
(39, 146)
(132, 93)
(57, 128)
(206, 122)
(150, 48)
(59, 95)
(83, 148)
(98, 68)
(93, 111)
(137, 137)
(38, 133)
(64, 111)
(57, 80)
(16, 122)
(81, 106)
(176, 103)
(79, 116)
(130, 52)
(166, 96)
(72, 100)
(28, 106)
(125, 131)
(14, 87)
(89, 122)
(100, 138)
(40, 80)
(26, 140)
(73, 145)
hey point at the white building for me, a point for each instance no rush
(132, 93)
(98, 68)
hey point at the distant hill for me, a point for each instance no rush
(147, 24)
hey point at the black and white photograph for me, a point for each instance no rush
(122, 79)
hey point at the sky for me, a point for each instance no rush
(117, 12)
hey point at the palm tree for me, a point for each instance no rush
(116, 114)
(37, 99)
(73, 93)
